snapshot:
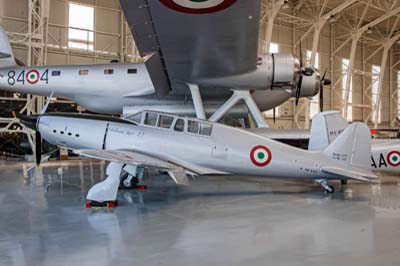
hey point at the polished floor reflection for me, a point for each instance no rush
(216, 221)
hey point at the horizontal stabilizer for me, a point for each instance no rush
(351, 173)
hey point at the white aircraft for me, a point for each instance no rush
(185, 146)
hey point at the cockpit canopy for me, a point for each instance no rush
(172, 122)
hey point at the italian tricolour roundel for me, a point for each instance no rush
(260, 156)
(393, 158)
(32, 76)
(198, 6)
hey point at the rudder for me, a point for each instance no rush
(352, 147)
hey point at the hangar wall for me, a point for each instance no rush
(113, 41)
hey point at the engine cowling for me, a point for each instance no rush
(274, 72)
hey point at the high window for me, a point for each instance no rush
(345, 67)
(81, 27)
(398, 93)
(376, 72)
(314, 103)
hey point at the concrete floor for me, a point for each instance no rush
(217, 221)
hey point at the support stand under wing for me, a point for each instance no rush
(238, 95)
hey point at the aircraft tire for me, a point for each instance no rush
(128, 185)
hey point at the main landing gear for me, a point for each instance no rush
(132, 181)
(104, 194)
(328, 188)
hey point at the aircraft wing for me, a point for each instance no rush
(195, 40)
(351, 173)
(126, 157)
(176, 169)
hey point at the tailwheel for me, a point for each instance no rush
(128, 182)
(343, 181)
(329, 189)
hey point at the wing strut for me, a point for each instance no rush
(197, 101)
(237, 96)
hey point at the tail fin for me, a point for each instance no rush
(6, 55)
(325, 128)
(352, 148)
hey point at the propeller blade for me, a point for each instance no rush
(298, 91)
(274, 115)
(38, 147)
(321, 92)
(321, 98)
(301, 57)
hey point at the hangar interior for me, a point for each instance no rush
(228, 221)
(356, 42)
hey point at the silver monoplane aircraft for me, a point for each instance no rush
(185, 146)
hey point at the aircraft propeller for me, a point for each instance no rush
(32, 123)
(304, 71)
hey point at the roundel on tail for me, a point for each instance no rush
(393, 158)
(198, 6)
(260, 156)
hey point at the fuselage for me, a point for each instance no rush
(113, 88)
(241, 153)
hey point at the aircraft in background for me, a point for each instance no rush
(185, 146)
(199, 64)
(325, 128)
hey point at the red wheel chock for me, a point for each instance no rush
(108, 204)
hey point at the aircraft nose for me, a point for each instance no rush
(29, 121)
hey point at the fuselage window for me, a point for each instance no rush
(205, 129)
(69, 134)
(77, 135)
(132, 71)
(193, 127)
(83, 72)
(108, 71)
(54, 131)
(62, 132)
(165, 121)
(150, 119)
(179, 125)
(56, 73)
(135, 118)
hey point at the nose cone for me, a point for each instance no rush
(29, 121)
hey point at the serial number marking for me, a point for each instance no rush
(31, 77)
